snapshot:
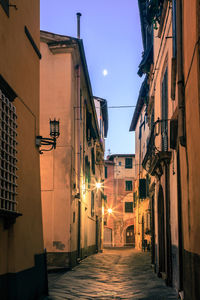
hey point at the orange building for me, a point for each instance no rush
(188, 98)
(119, 211)
(22, 259)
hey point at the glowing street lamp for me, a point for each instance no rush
(98, 185)
(110, 210)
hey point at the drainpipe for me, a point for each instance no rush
(180, 75)
(77, 114)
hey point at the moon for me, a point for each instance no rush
(105, 72)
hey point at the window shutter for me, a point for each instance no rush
(142, 188)
(173, 133)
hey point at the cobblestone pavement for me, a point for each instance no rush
(113, 274)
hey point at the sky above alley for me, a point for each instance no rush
(111, 34)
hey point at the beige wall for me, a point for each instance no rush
(55, 95)
(63, 170)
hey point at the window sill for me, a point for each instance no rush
(9, 217)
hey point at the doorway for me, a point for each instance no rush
(161, 231)
(130, 237)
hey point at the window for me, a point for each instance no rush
(164, 123)
(142, 188)
(106, 172)
(120, 163)
(128, 163)
(8, 153)
(128, 207)
(87, 172)
(92, 204)
(5, 5)
(74, 217)
(129, 185)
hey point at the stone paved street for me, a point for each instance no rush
(113, 274)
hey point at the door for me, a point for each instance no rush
(97, 234)
(161, 230)
(107, 237)
(130, 237)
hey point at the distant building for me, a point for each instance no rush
(22, 266)
(119, 214)
(143, 183)
(71, 203)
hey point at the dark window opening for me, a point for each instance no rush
(128, 207)
(106, 172)
(128, 163)
(142, 188)
(129, 185)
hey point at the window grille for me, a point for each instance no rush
(8, 153)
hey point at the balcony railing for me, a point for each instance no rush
(157, 148)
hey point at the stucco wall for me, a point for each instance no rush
(19, 65)
(55, 102)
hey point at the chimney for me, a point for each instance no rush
(78, 24)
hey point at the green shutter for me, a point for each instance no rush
(142, 188)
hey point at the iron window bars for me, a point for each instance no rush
(8, 160)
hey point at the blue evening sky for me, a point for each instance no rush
(111, 34)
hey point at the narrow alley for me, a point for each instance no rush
(113, 274)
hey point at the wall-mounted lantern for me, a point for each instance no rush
(54, 133)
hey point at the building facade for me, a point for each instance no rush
(119, 230)
(160, 159)
(188, 146)
(22, 262)
(71, 202)
(143, 182)
(172, 106)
